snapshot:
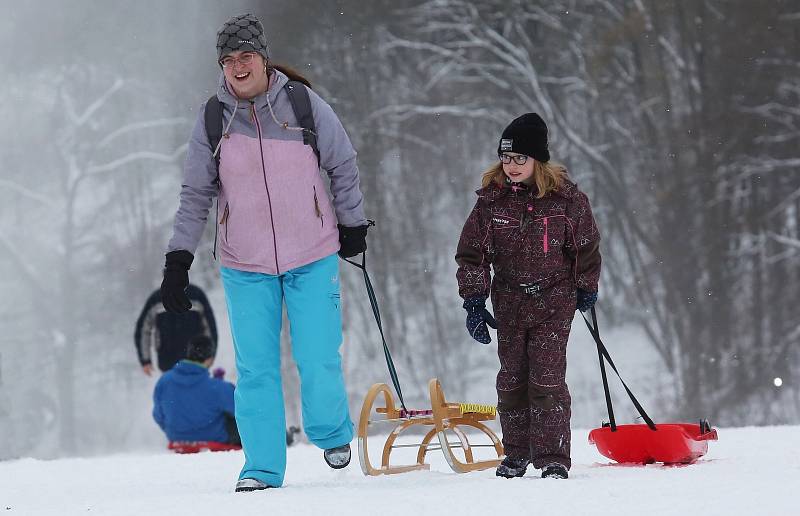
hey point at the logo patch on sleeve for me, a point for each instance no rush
(506, 144)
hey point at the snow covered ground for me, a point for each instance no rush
(748, 471)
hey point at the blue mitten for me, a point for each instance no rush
(477, 319)
(586, 300)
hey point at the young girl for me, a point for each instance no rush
(533, 225)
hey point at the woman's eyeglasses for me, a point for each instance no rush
(245, 59)
(519, 159)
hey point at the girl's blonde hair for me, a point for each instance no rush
(548, 176)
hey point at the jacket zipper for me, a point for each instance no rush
(526, 218)
(316, 207)
(266, 186)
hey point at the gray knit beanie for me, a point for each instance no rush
(243, 32)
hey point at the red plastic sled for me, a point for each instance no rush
(198, 446)
(671, 443)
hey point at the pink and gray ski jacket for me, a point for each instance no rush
(275, 213)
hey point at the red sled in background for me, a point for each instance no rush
(670, 443)
(199, 446)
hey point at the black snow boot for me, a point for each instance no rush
(555, 470)
(511, 468)
(338, 457)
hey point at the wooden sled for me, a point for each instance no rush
(444, 419)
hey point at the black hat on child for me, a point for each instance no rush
(199, 349)
(526, 134)
(243, 32)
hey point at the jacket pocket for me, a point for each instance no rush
(551, 233)
(317, 209)
(224, 221)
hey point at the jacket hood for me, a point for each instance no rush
(225, 92)
(189, 373)
(493, 191)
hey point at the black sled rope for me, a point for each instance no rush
(602, 354)
(377, 313)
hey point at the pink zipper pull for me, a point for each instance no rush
(544, 238)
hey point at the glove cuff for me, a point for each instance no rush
(354, 231)
(474, 303)
(585, 299)
(180, 259)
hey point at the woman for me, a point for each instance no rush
(535, 228)
(278, 239)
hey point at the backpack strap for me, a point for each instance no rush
(213, 120)
(301, 104)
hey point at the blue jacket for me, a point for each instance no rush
(189, 405)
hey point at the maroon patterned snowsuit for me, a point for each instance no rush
(540, 250)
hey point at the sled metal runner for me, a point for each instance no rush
(444, 419)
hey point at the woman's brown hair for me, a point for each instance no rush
(291, 73)
(548, 176)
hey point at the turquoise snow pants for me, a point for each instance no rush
(255, 304)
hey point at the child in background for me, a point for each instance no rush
(190, 405)
(534, 227)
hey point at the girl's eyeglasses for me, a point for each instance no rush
(244, 59)
(519, 159)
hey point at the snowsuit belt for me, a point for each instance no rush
(534, 288)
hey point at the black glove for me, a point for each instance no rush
(353, 240)
(586, 300)
(477, 319)
(176, 279)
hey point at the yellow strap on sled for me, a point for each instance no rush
(478, 408)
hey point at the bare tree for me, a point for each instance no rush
(639, 93)
(81, 218)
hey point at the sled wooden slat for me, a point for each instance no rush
(444, 418)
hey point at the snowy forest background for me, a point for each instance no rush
(680, 119)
